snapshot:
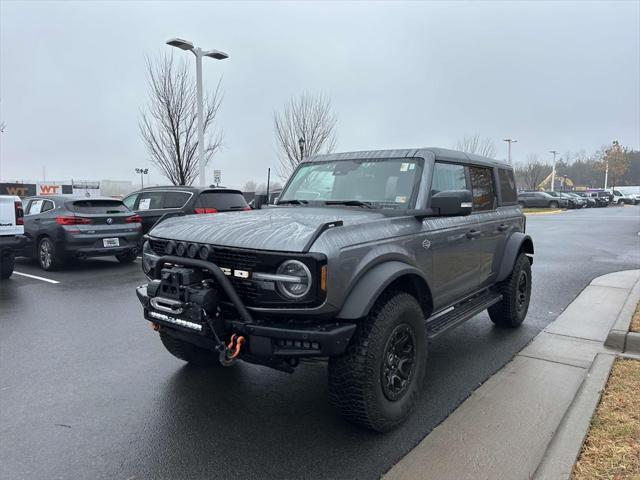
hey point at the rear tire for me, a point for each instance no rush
(511, 311)
(376, 383)
(128, 257)
(7, 262)
(189, 352)
(522, 204)
(48, 259)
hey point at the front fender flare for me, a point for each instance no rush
(515, 243)
(370, 285)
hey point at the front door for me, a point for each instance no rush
(452, 241)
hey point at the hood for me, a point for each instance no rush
(288, 229)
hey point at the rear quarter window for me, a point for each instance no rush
(176, 199)
(508, 190)
(97, 206)
(222, 201)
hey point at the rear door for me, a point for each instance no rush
(149, 205)
(486, 236)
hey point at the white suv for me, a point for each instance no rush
(12, 237)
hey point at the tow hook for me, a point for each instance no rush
(230, 354)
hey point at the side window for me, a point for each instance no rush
(150, 201)
(130, 201)
(46, 206)
(448, 176)
(484, 195)
(34, 207)
(507, 186)
(175, 199)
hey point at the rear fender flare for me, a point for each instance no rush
(516, 243)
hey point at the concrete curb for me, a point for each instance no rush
(538, 407)
(564, 449)
(620, 338)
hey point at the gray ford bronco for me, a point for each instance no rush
(366, 258)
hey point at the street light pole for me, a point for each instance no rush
(199, 53)
(510, 141)
(553, 170)
(301, 142)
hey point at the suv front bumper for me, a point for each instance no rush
(265, 338)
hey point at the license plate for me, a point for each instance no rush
(111, 242)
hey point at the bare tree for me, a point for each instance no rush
(308, 117)
(169, 125)
(530, 174)
(2, 127)
(474, 144)
(250, 186)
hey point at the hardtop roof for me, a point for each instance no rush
(442, 154)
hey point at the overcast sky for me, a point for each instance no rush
(553, 75)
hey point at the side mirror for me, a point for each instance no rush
(452, 203)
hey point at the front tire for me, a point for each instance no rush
(511, 311)
(48, 259)
(553, 204)
(128, 257)
(189, 352)
(7, 262)
(376, 383)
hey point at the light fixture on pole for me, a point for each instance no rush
(510, 141)
(553, 170)
(301, 143)
(142, 171)
(199, 53)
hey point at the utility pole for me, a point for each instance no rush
(268, 182)
(199, 53)
(510, 141)
(553, 170)
(606, 173)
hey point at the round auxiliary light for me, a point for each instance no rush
(204, 252)
(192, 250)
(294, 290)
(170, 248)
(181, 248)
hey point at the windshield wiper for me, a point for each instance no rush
(293, 201)
(350, 203)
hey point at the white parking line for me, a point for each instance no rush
(35, 277)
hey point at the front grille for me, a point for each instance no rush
(225, 258)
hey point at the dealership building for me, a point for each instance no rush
(76, 188)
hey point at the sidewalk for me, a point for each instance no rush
(504, 430)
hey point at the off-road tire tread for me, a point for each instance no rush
(504, 314)
(351, 377)
(188, 352)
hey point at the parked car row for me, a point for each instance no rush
(56, 230)
(577, 199)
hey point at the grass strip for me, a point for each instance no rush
(612, 448)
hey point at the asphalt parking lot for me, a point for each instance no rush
(88, 391)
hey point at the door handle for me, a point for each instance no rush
(474, 234)
(36, 219)
(502, 227)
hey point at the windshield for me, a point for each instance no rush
(380, 183)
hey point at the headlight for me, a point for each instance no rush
(299, 282)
